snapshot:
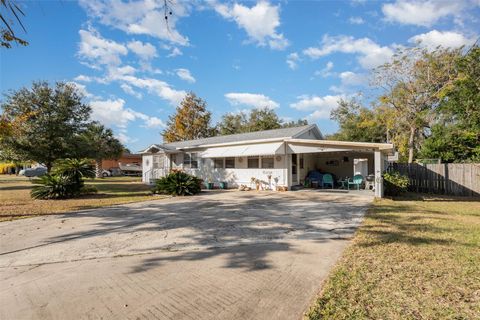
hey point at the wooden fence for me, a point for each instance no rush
(451, 179)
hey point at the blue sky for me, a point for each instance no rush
(298, 57)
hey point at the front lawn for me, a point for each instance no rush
(409, 260)
(15, 201)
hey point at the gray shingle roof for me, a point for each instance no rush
(258, 135)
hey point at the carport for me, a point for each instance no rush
(342, 158)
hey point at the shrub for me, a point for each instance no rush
(66, 180)
(75, 169)
(178, 183)
(394, 183)
(53, 187)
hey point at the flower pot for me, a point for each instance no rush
(223, 185)
(209, 185)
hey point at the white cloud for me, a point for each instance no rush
(112, 112)
(325, 72)
(117, 72)
(356, 20)
(370, 54)
(145, 51)
(83, 78)
(97, 50)
(260, 22)
(422, 13)
(292, 60)
(128, 89)
(445, 39)
(175, 52)
(349, 78)
(154, 122)
(251, 99)
(185, 74)
(321, 106)
(140, 17)
(123, 138)
(155, 86)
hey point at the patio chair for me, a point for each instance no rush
(357, 180)
(327, 179)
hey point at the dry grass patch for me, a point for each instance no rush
(409, 260)
(15, 200)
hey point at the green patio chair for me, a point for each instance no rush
(357, 180)
(327, 179)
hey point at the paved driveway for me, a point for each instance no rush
(220, 255)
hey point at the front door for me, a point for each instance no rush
(294, 169)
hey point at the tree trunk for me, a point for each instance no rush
(98, 168)
(411, 144)
(49, 167)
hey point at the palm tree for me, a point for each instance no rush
(101, 145)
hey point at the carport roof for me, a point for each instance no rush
(346, 145)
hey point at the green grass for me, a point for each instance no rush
(16, 203)
(409, 260)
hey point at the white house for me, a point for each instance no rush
(280, 157)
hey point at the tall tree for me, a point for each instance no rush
(10, 12)
(98, 142)
(258, 119)
(190, 121)
(357, 123)
(298, 123)
(232, 123)
(49, 121)
(412, 83)
(455, 136)
(263, 119)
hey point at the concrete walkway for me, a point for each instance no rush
(220, 255)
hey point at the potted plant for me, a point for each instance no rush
(209, 183)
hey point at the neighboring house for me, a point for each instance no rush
(280, 157)
(125, 158)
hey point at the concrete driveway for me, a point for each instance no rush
(219, 255)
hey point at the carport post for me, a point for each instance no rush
(378, 174)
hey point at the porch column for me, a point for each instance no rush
(378, 174)
(288, 167)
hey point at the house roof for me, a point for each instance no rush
(283, 133)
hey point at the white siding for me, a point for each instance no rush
(243, 175)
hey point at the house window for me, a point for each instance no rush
(190, 160)
(253, 163)
(218, 163)
(301, 162)
(229, 163)
(267, 163)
